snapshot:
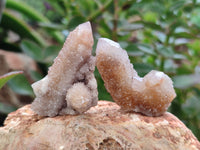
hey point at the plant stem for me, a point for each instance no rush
(162, 63)
(99, 11)
(115, 21)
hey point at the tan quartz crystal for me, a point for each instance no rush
(150, 95)
(72, 70)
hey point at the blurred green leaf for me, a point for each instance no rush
(6, 109)
(146, 48)
(150, 17)
(130, 27)
(170, 66)
(160, 36)
(6, 77)
(191, 107)
(9, 21)
(184, 35)
(94, 15)
(51, 26)
(184, 69)
(151, 25)
(195, 19)
(57, 7)
(31, 49)
(103, 94)
(50, 53)
(20, 85)
(195, 46)
(75, 21)
(26, 9)
(36, 75)
(177, 5)
(142, 68)
(31, 13)
(135, 53)
(186, 81)
(133, 50)
(179, 56)
(104, 29)
(166, 52)
(197, 91)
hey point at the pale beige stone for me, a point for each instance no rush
(18, 61)
(12, 61)
(102, 127)
(150, 95)
(74, 66)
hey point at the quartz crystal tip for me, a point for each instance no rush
(72, 70)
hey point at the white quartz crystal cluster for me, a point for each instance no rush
(70, 86)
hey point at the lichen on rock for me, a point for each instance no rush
(150, 95)
(72, 70)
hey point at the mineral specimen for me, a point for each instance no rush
(150, 95)
(70, 86)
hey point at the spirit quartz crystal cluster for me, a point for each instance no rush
(70, 86)
(150, 95)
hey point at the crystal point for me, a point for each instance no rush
(74, 64)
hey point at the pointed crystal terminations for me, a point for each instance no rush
(70, 86)
(150, 95)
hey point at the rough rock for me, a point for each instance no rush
(104, 126)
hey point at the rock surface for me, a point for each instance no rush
(104, 126)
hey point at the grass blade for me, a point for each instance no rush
(4, 78)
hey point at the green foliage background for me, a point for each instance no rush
(160, 35)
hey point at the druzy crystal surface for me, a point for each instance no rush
(70, 86)
(150, 95)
